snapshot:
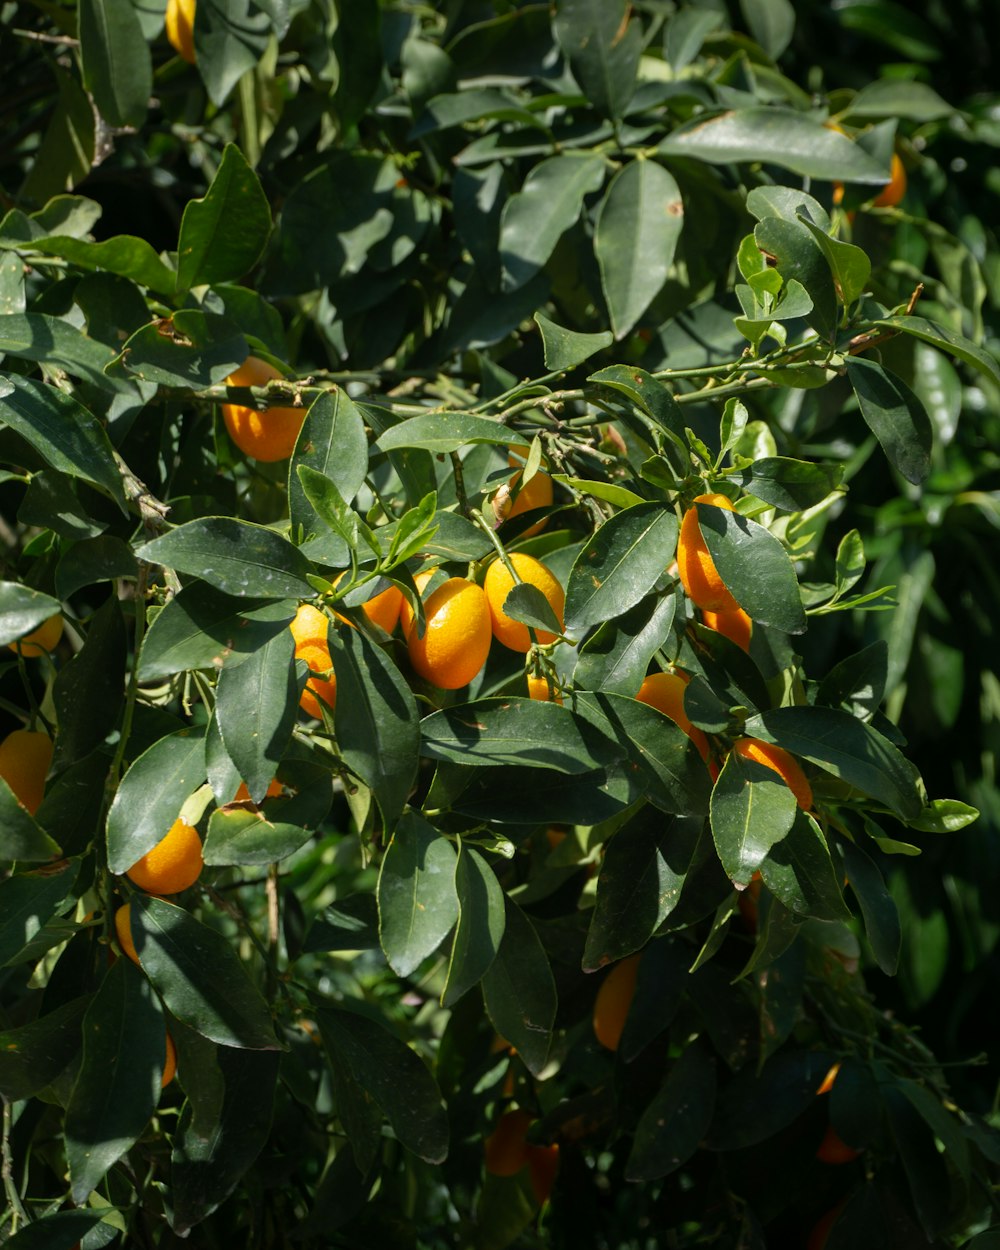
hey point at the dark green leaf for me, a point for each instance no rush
(756, 1105)
(94, 560)
(329, 506)
(89, 691)
(948, 341)
(480, 927)
(925, 1167)
(22, 610)
(896, 98)
(118, 1085)
(799, 258)
(248, 561)
(792, 485)
(752, 810)
(190, 349)
(417, 903)
(616, 656)
(799, 872)
(603, 48)
(646, 392)
(34, 1054)
(877, 907)
(199, 975)
(255, 709)
(62, 1231)
(771, 22)
(443, 432)
(117, 69)
(224, 233)
(857, 683)
(350, 924)
(895, 416)
(28, 901)
(51, 341)
(619, 565)
(849, 265)
(229, 41)
(242, 834)
(125, 255)
(531, 796)
(565, 349)
(21, 836)
(332, 442)
(674, 1123)
(520, 992)
(377, 722)
(686, 31)
(638, 226)
(660, 989)
(151, 795)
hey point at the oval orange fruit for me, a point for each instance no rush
(25, 758)
(780, 761)
(173, 864)
(665, 692)
(269, 435)
(179, 27)
(695, 566)
(457, 636)
(736, 626)
(614, 998)
(41, 640)
(498, 584)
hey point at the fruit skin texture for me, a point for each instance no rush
(406, 615)
(507, 1151)
(695, 566)
(780, 761)
(895, 188)
(25, 756)
(536, 493)
(613, 1001)
(665, 692)
(736, 626)
(123, 931)
(538, 688)
(498, 584)
(309, 629)
(268, 435)
(173, 864)
(457, 639)
(41, 640)
(180, 28)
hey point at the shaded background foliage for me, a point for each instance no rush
(388, 141)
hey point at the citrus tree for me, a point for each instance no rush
(452, 772)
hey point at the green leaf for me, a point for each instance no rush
(775, 136)
(330, 507)
(645, 866)
(51, 341)
(756, 1105)
(206, 1167)
(603, 48)
(520, 991)
(533, 796)
(223, 234)
(255, 709)
(377, 722)
(21, 836)
(62, 431)
(799, 872)
(565, 349)
(151, 795)
(752, 810)
(616, 656)
(248, 561)
(799, 258)
(857, 683)
(619, 565)
(499, 732)
(23, 610)
(480, 926)
(33, 1055)
(674, 1123)
(200, 627)
(229, 41)
(89, 691)
(925, 1168)
(534, 218)
(846, 747)
(61, 1231)
(610, 492)
(849, 564)
(126, 255)
(443, 432)
(894, 415)
(948, 341)
(332, 442)
(755, 567)
(527, 604)
(878, 909)
(646, 392)
(118, 1085)
(771, 22)
(92, 560)
(638, 225)
(686, 32)
(849, 265)
(117, 68)
(898, 98)
(199, 976)
(28, 901)
(350, 924)
(944, 816)
(417, 903)
(190, 349)
(240, 834)
(792, 485)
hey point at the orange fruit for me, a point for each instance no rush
(895, 188)
(833, 1149)
(269, 435)
(536, 492)
(310, 625)
(169, 1063)
(41, 640)
(173, 864)
(780, 761)
(310, 631)
(457, 638)
(406, 615)
(695, 566)
(242, 795)
(665, 692)
(507, 1151)
(179, 28)
(498, 584)
(123, 931)
(383, 610)
(828, 1080)
(25, 757)
(613, 1001)
(543, 1164)
(539, 688)
(736, 626)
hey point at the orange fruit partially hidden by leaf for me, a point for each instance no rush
(25, 757)
(507, 1151)
(169, 1063)
(736, 626)
(406, 613)
(828, 1080)
(269, 435)
(41, 640)
(833, 1149)
(535, 493)
(780, 761)
(242, 795)
(457, 636)
(179, 26)
(539, 689)
(310, 629)
(498, 584)
(173, 864)
(382, 609)
(665, 692)
(695, 566)
(614, 998)
(123, 931)
(543, 1165)
(895, 188)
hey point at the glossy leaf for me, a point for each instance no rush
(89, 692)
(480, 926)
(878, 909)
(849, 265)
(894, 415)
(94, 560)
(792, 485)
(616, 656)
(118, 1084)
(530, 796)
(248, 561)
(565, 349)
(752, 810)
(332, 442)
(771, 22)
(951, 343)
(619, 565)
(117, 69)
(36, 336)
(350, 924)
(638, 226)
(857, 683)
(189, 349)
(799, 258)
(255, 709)
(944, 816)
(199, 976)
(23, 610)
(244, 834)
(33, 1055)
(754, 1105)
(800, 873)
(417, 903)
(21, 836)
(224, 233)
(520, 991)
(443, 432)
(603, 48)
(126, 255)
(675, 1121)
(29, 901)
